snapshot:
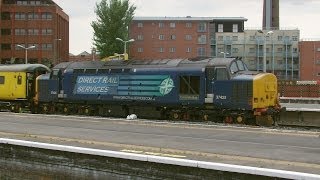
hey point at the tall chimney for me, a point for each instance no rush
(270, 14)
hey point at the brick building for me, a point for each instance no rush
(310, 59)
(40, 24)
(178, 37)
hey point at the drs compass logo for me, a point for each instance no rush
(166, 86)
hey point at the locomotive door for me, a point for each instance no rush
(209, 80)
(220, 74)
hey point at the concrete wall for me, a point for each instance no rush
(19, 162)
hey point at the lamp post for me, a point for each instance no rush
(224, 54)
(125, 45)
(54, 50)
(265, 48)
(26, 49)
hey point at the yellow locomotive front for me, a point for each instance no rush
(265, 102)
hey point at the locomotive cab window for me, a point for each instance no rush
(189, 87)
(19, 80)
(2, 79)
(221, 74)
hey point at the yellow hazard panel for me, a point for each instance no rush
(265, 92)
(13, 85)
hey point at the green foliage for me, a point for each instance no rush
(113, 18)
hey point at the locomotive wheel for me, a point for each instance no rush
(175, 116)
(45, 109)
(264, 120)
(228, 120)
(205, 117)
(65, 110)
(240, 120)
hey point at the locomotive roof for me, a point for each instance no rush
(161, 63)
(23, 68)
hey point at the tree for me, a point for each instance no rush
(113, 18)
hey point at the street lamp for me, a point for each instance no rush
(224, 54)
(125, 44)
(265, 48)
(26, 49)
(54, 50)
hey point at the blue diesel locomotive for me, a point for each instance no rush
(215, 89)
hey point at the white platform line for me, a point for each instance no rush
(167, 160)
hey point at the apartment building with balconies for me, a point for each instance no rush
(281, 50)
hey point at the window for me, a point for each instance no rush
(172, 25)
(279, 49)
(5, 31)
(251, 50)
(202, 27)
(279, 38)
(189, 88)
(188, 24)
(161, 37)
(19, 80)
(161, 49)
(140, 37)
(234, 38)
(33, 16)
(318, 62)
(46, 31)
(294, 38)
(46, 46)
(46, 15)
(173, 37)
(295, 50)
(20, 32)
(220, 27)
(5, 16)
(235, 28)
(251, 38)
(140, 49)
(202, 39)
(22, 2)
(33, 31)
(35, 3)
(235, 50)
(221, 74)
(20, 16)
(220, 38)
(318, 49)
(2, 79)
(201, 51)
(172, 49)
(188, 37)
(161, 24)
(140, 24)
(188, 50)
(318, 74)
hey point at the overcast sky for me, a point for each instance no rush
(301, 14)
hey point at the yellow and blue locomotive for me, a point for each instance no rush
(217, 89)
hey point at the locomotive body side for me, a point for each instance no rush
(217, 89)
(13, 85)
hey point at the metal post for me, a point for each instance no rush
(265, 54)
(26, 58)
(26, 51)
